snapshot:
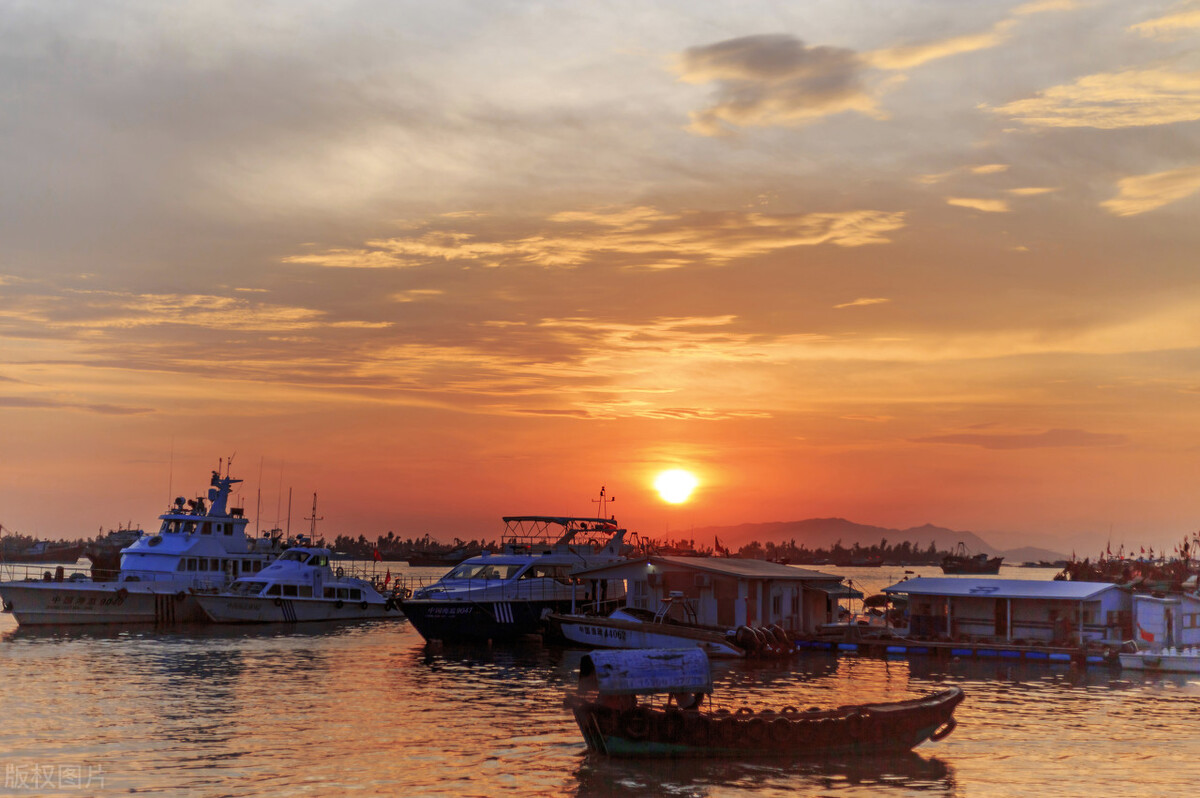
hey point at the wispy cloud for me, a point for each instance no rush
(985, 205)
(1171, 26)
(909, 56)
(1133, 98)
(641, 238)
(1050, 439)
(863, 301)
(1144, 193)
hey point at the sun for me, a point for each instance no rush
(676, 485)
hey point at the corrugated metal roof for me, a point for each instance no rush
(647, 670)
(726, 566)
(979, 586)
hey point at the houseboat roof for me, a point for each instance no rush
(1001, 588)
(643, 671)
(725, 566)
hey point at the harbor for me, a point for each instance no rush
(208, 711)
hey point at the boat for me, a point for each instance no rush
(617, 721)
(506, 595)
(672, 626)
(442, 559)
(299, 586)
(105, 552)
(44, 551)
(1171, 659)
(961, 562)
(200, 547)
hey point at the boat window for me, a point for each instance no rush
(305, 591)
(227, 528)
(490, 571)
(293, 556)
(206, 528)
(203, 564)
(290, 590)
(319, 559)
(543, 571)
(343, 593)
(465, 571)
(247, 588)
(182, 565)
(355, 594)
(191, 563)
(273, 590)
(189, 527)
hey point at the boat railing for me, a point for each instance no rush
(43, 572)
(498, 589)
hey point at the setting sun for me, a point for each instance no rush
(676, 485)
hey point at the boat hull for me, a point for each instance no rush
(461, 620)
(253, 609)
(617, 633)
(868, 729)
(53, 603)
(1174, 663)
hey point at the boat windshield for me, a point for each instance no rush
(247, 588)
(484, 571)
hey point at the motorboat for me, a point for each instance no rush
(1170, 658)
(300, 586)
(656, 703)
(507, 594)
(201, 546)
(674, 625)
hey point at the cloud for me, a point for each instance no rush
(1133, 98)
(775, 80)
(1171, 26)
(1050, 439)
(986, 205)
(1143, 193)
(1031, 191)
(639, 238)
(862, 301)
(27, 403)
(908, 56)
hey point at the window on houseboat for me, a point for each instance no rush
(290, 590)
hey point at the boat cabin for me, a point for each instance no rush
(1166, 621)
(301, 572)
(721, 591)
(1015, 610)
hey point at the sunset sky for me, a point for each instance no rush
(894, 261)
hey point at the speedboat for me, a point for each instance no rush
(299, 586)
(1169, 658)
(615, 709)
(506, 595)
(199, 547)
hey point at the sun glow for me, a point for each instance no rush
(676, 485)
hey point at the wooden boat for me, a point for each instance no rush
(960, 562)
(615, 723)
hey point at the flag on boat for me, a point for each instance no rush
(724, 552)
(1147, 636)
(387, 577)
(378, 556)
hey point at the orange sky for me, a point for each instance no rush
(899, 262)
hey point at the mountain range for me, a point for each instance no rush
(823, 533)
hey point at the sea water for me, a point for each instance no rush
(369, 709)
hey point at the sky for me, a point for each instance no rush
(896, 261)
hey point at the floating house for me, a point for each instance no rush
(726, 592)
(1165, 621)
(1059, 613)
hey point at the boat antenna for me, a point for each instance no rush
(603, 502)
(289, 524)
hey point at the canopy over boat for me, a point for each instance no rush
(645, 671)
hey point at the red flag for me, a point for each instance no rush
(387, 577)
(1147, 636)
(378, 556)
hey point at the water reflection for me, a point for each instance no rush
(598, 776)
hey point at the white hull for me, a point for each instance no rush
(612, 633)
(1145, 661)
(260, 609)
(43, 604)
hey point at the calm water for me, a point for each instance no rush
(368, 709)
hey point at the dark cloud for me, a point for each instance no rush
(1050, 439)
(775, 79)
(26, 403)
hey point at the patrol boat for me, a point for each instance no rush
(299, 586)
(199, 547)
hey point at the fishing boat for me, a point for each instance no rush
(674, 625)
(961, 562)
(200, 546)
(442, 559)
(618, 721)
(300, 586)
(506, 595)
(43, 551)
(106, 550)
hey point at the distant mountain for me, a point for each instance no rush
(822, 533)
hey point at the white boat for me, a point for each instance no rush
(506, 595)
(1177, 660)
(673, 626)
(199, 547)
(299, 586)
